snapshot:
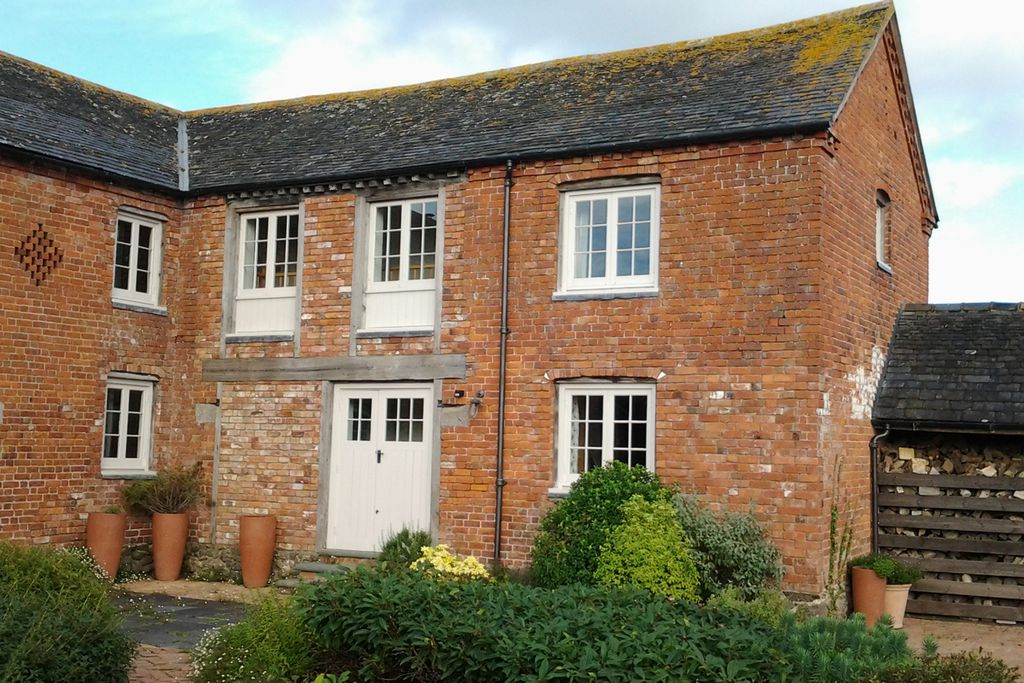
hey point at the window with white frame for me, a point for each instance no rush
(609, 240)
(127, 424)
(602, 423)
(268, 271)
(882, 237)
(401, 282)
(137, 260)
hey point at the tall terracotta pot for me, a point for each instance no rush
(170, 531)
(104, 537)
(896, 602)
(256, 537)
(868, 594)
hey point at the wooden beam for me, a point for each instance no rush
(951, 481)
(996, 591)
(972, 567)
(908, 500)
(956, 545)
(336, 368)
(964, 609)
(950, 523)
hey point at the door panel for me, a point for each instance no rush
(380, 469)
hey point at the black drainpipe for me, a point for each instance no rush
(874, 487)
(499, 477)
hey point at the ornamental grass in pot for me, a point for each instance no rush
(168, 497)
(104, 537)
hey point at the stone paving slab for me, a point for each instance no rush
(166, 621)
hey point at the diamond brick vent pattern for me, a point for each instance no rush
(39, 254)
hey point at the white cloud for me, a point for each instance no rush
(970, 263)
(971, 183)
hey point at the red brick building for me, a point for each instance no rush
(707, 245)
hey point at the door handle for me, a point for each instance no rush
(379, 453)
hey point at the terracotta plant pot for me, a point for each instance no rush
(104, 537)
(868, 594)
(896, 602)
(170, 531)
(256, 537)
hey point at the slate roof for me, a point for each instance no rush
(960, 365)
(778, 80)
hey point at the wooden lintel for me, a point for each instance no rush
(337, 369)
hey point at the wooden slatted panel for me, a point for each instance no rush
(964, 609)
(994, 591)
(973, 567)
(949, 523)
(951, 481)
(909, 500)
(955, 545)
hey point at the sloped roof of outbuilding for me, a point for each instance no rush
(788, 78)
(955, 366)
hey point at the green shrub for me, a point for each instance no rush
(56, 620)
(891, 568)
(648, 550)
(730, 549)
(841, 650)
(769, 606)
(171, 491)
(571, 534)
(406, 627)
(402, 549)
(271, 644)
(974, 667)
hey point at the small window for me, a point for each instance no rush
(602, 423)
(137, 261)
(127, 425)
(610, 240)
(883, 241)
(268, 271)
(401, 286)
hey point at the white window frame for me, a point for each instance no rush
(270, 290)
(569, 283)
(883, 236)
(403, 283)
(130, 295)
(120, 464)
(608, 391)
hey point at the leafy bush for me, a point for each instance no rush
(890, 568)
(571, 534)
(56, 620)
(974, 667)
(439, 561)
(402, 549)
(171, 491)
(648, 550)
(405, 627)
(730, 549)
(271, 644)
(769, 606)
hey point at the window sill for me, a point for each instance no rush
(129, 474)
(884, 267)
(558, 492)
(598, 295)
(379, 334)
(139, 307)
(258, 338)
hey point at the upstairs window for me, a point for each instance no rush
(127, 425)
(602, 423)
(401, 287)
(268, 271)
(137, 261)
(610, 240)
(883, 240)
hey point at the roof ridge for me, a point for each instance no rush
(536, 67)
(88, 83)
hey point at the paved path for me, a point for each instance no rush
(1003, 641)
(154, 664)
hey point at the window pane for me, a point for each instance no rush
(124, 232)
(643, 235)
(639, 407)
(121, 277)
(597, 265)
(135, 400)
(131, 447)
(110, 446)
(142, 282)
(391, 431)
(122, 254)
(359, 414)
(113, 422)
(626, 209)
(643, 207)
(145, 236)
(624, 263)
(113, 399)
(642, 264)
(392, 408)
(622, 407)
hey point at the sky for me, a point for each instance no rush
(965, 61)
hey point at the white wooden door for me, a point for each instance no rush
(380, 464)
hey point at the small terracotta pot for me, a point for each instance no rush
(868, 594)
(896, 602)
(256, 537)
(104, 537)
(170, 531)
